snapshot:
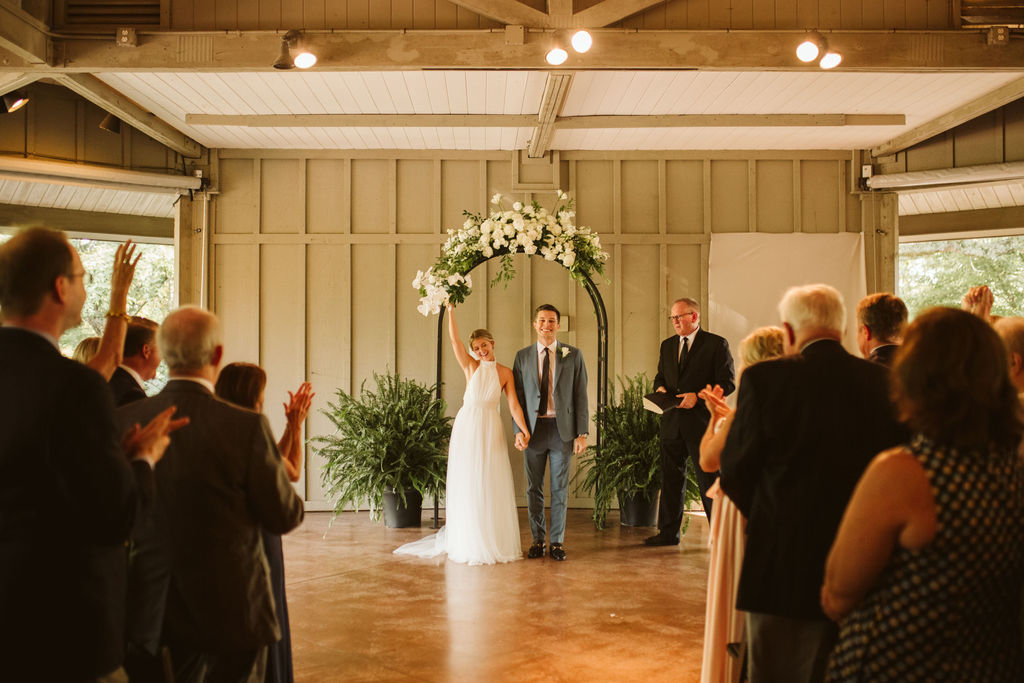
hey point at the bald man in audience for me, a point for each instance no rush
(200, 583)
(881, 320)
(141, 359)
(68, 493)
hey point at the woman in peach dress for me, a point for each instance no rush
(724, 638)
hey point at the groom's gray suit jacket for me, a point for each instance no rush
(570, 389)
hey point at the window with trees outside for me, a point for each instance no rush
(151, 295)
(939, 272)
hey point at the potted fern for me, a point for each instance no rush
(628, 467)
(389, 449)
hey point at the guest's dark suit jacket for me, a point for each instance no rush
(884, 354)
(68, 499)
(219, 484)
(806, 427)
(708, 361)
(125, 388)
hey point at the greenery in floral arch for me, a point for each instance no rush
(523, 228)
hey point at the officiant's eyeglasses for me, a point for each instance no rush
(676, 318)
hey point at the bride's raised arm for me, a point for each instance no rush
(461, 355)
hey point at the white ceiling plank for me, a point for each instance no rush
(515, 93)
(496, 92)
(476, 89)
(380, 92)
(418, 93)
(437, 92)
(361, 94)
(455, 86)
(398, 91)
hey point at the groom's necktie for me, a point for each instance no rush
(545, 385)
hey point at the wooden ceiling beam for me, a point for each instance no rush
(610, 11)
(364, 120)
(24, 36)
(990, 101)
(108, 99)
(506, 12)
(555, 90)
(909, 51)
(16, 80)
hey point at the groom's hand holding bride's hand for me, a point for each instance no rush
(521, 441)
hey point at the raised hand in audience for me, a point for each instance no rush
(295, 412)
(111, 348)
(979, 300)
(151, 441)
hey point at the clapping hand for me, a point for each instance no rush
(714, 399)
(297, 407)
(151, 441)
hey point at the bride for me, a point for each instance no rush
(482, 522)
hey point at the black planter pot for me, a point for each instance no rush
(397, 515)
(638, 509)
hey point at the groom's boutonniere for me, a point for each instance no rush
(566, 351)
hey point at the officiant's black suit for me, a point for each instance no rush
(68, 499)
(708, 361)
(806, 427)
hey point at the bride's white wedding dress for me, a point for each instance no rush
(481, 520)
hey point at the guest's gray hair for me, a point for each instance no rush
(188, 338)
(813, 307)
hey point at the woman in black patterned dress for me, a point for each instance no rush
(926, 572)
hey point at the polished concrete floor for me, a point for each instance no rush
(614, 611)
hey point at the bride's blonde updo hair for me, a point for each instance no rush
(480, 334)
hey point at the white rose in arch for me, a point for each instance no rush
(496, 199)
(517, 206)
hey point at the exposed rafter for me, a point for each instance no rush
(105, 97)
(13, 81)
(920, 51)
(559, 14)
(24, 36)
(610, 11)
(505, 11)
(555, 90)
(999, 97)
(363, 120)
(548, 116)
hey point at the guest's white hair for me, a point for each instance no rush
(813, 307)
(188, 338)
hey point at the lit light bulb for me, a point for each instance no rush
(557, 56)
(304, 60)
(17, 104)
(831, 60)
(807, 51)
(581, 41)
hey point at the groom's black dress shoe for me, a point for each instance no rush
(662, 539)
(557, 552)
(536, 550)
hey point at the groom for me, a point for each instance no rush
(551, 383)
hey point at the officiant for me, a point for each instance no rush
(689, 360)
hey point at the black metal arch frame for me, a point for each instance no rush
(602, 356)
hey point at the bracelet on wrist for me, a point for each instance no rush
(123, 316)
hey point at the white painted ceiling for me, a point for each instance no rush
(982, 196)
(919, 96)
(54, 195)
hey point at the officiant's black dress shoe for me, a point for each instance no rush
(661, 539)
(557, 552)
(536, 550)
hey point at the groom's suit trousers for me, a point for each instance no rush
(545, 445)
